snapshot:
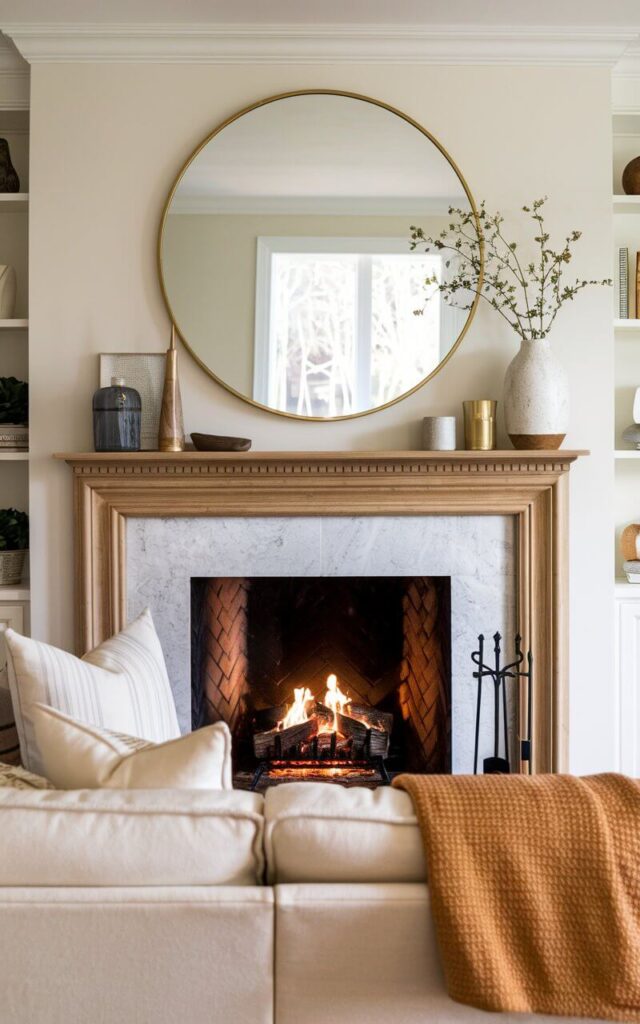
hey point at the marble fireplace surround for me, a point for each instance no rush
(524, 493)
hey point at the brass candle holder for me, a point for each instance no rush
(480, 424)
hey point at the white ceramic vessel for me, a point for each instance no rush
(536, 397)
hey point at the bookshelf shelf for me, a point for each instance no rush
(13, 456)
(17, 324)
(626, 204)
(626, 325)
(14, 202)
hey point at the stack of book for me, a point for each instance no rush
(14, 437)
(623, 280)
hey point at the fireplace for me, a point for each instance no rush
(344, 679)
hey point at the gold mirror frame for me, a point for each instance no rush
(207, 140)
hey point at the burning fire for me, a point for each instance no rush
(334, 699)
(297, 713)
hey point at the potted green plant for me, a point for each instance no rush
(14, 542)
(527, 290)
(14, 413)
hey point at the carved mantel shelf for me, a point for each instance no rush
(531, 486)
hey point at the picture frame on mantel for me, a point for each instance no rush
(143, 371)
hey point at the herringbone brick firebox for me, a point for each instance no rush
(386, 639)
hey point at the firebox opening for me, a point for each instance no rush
(344, 679)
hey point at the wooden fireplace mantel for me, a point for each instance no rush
(531, 486)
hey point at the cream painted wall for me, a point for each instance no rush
(107, 141)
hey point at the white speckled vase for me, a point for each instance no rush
(536, 397)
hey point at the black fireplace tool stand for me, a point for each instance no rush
(498, 675)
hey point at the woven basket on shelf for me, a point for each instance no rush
(11, 567)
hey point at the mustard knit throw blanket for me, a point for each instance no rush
(535, 890)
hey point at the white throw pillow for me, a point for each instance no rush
(80, 756)
(121, 685)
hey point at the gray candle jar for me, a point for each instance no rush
(117, 412)
(439, 434)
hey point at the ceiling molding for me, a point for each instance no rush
(629, 64)
(14, 77)
(317, 44)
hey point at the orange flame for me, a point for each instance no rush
(335, 700)
(297, 713)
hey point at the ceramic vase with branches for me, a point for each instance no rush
(527, 291)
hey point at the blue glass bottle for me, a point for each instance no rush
(116, 418)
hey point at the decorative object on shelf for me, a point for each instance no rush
(220, 443)
(630, 542)
(14, 542)
(9, 180)
(171, 429)
(14, 414)
(632, 434)
(14, 400)
(631, 569)
(7, 292)
(623, 283)
(497, 764)
(631, 177)
(143, 371)
(527, 291)
(439, 433)
(116, 418)
(480, 424)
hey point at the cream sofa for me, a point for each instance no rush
(158, 907)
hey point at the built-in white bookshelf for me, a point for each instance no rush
(14, 333)
(626, 233)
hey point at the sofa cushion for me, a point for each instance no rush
(79, 756)
(130, 837)
(121, 685)
(315, 832)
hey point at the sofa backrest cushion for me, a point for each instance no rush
(130, 837)
(315, 832)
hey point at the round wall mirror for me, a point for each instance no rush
(285, 257)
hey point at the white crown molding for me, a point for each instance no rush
(629, 64)
(316, 44)
(14, 78)
(625, 83)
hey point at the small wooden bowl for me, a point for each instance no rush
(220, 443)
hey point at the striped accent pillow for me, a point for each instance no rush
(121, 685)
(9, 745)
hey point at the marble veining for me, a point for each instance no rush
(477, 552)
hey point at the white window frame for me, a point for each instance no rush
(267, 246)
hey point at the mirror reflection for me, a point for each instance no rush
(286, 262)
